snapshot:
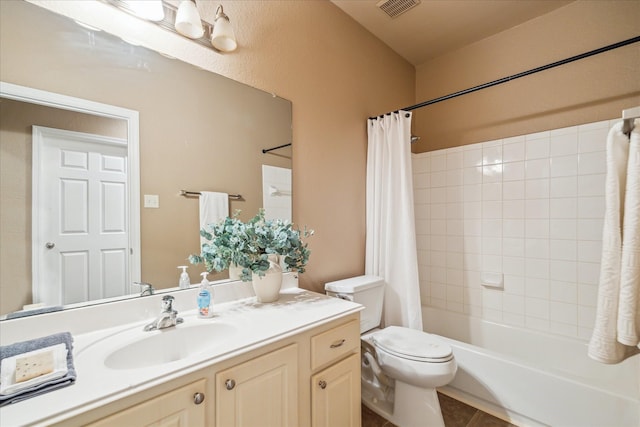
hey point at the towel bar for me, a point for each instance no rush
(186, 193)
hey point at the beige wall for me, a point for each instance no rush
(16, 119)
(588, 90)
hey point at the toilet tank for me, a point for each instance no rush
(365, 290)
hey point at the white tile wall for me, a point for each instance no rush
(276, 205)
(530, 207)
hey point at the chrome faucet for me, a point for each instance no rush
(147, 288)
(168, 317)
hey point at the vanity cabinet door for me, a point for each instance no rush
(182, 407)
(335, 395)
(260, 392)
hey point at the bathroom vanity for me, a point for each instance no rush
(291, 363)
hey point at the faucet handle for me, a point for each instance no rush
(148, 288)
(167, 303)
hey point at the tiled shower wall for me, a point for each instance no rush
(530, 207)
(278, 204)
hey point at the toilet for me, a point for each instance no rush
(401, 367)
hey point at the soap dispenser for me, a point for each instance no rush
(184, 282)
(205, 298)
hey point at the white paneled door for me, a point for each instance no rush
(80, 220)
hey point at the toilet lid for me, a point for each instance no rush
(412, 344)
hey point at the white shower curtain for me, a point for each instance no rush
(391, 239)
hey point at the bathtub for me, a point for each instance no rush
(535, 379)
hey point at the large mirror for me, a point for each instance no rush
(198, 131)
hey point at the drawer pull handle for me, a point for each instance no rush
(338, 343)
(229, 384)
(198, 398)
(322, 384)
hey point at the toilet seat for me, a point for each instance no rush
(412, 344)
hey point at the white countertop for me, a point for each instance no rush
(254, 324)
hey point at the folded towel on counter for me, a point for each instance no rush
(25, 313)
(38, 387)
(33, 368)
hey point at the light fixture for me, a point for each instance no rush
(184, 20)
(223, 37)
(150, 10)
(188, 21)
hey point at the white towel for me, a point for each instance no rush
(604, 346)
(213, 208)
(628, 303)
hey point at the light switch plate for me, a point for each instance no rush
(151, 201)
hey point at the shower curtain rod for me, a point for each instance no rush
(266, 150)
(522, 74)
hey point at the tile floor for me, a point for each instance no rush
(455, 414)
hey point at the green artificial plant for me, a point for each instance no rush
(248, 245)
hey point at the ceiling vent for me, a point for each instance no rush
(395, 8)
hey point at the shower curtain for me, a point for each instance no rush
(391, 239)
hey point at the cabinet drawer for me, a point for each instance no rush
(174, 408)
(333, 344)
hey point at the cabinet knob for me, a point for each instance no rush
(322, 384)
(50, 245)
(198, 398)
(229, 384)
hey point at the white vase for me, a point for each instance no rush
(235, 272)
(267, 287)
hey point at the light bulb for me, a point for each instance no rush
(222, 37)
(188, 20)
(150, 10)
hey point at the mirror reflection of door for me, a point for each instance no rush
(80, 214)
(21, 110)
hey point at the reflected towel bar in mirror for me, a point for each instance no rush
(186, 193)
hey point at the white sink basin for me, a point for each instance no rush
(168, 345)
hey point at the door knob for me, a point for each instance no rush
(198, 398)
(229, 384)
(50, 245)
